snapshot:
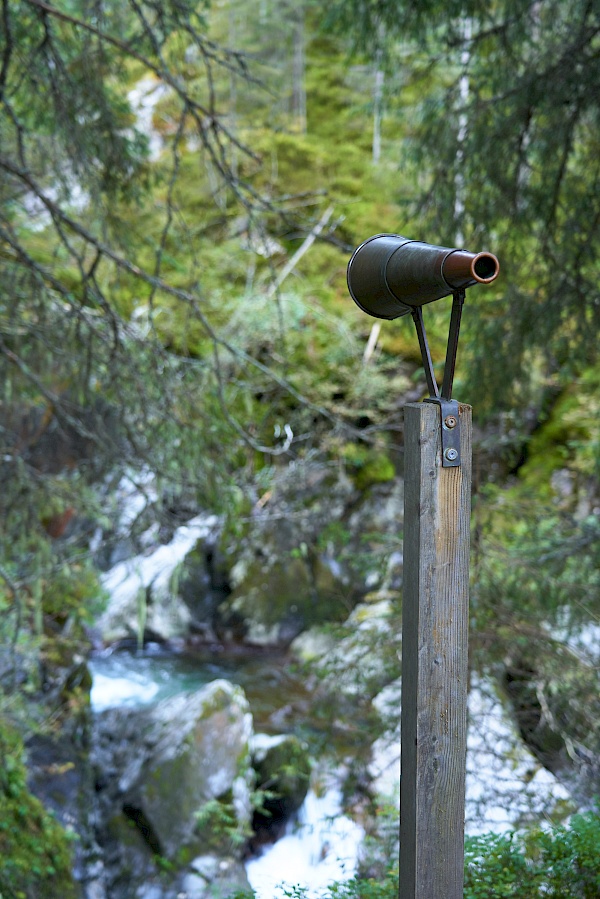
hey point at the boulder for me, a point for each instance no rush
(277, 598)
(159, 769)
(313, 547)
(282, 768)
(365, 658)
(144, 589)
(217, 878)
(203, 585)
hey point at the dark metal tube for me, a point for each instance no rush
(389, 275)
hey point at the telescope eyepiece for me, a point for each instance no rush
(461, 269)
(485, 268)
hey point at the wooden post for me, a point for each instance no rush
(434, 658)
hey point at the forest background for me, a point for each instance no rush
(181, 187)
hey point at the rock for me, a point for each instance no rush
(206, 866)
(150, 891)
(362, 662)
(278, 598)
(144, 590)
(315, 545)
(215, 878)
(301, 558)
(310, 551)
(282, 768)
(60, 776)
(159, 768)
(199, 757)
(564, 742)
(193, 886)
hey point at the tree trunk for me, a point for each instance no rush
(299, 71)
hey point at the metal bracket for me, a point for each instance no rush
(450, 430)
(448, 407)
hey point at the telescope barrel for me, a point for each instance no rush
(389, 275)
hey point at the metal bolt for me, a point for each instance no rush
(450, 421)
(451, 454)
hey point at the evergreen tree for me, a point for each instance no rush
(113, 355)
(141, 233)
(505, 156)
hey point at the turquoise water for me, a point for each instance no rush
(279, 699)
(321, 843)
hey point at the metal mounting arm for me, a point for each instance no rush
(458, 300)
(417, 314)
(448, 407)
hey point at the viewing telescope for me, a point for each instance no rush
(389, 275)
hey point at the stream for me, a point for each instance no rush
(320, 844)
(506, 787)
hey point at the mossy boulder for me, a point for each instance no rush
(367, 465)
(203, 584)
(314, 545)
(160, 769)
(278, 598)
(359, 658)
(561, 462)
(282, 770)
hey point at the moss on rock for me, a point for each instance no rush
(281, 597)
(35, 851)
(282, 770)
(367, 465)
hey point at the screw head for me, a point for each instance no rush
(450, 421)
(451, 454)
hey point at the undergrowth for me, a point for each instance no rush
(561, 862)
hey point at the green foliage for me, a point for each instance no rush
(496, 866)
(567, 439)
(557, 863)
(369, 465)
(535, 581)
(219, 825)
(73, 590)
(560, 862)
(537, 563)
(35, 851)
(283, 775)
(143, 324)
(502, 144)
(535, 591)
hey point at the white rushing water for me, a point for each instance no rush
(320, 847)
(506, 785)
(155, 568)
(112, 692)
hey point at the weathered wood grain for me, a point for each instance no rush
(434, 658)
